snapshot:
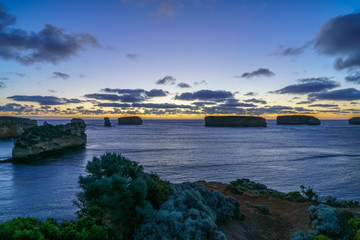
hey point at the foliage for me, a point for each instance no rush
(325, 220)
(191, 212)
(294, 197)
(355, 224)
(248, 184)
(322, 237)
(118, 191)
(301, 235)
(27, 228)
(263, 209)
(332, 201)
(309, 193)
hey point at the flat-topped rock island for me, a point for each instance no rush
(130, 121)
(38, 142)
(354, 121)
(235, 121)
(297, 120)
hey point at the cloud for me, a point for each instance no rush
(183, 85)
(44, 100)
(340, 37)
(200, 104)
(258, 73)
(4, 78)
(309, 85)
(250, 94)
(61, 75)
(122, 105)
(254, 100)
(354, 78)
(325, 105)
(292, 51)
(159, 105)
(348, 94)
(133, 56)
(127, 95)
(234, 103)
(51, 44)
(52, 91)
(202, 82)
(12, 107)
(205, 95)
(166, 80)
(2, 84)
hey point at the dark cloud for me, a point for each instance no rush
(52, 91)
(159, 105)
(44, 100)
(122, 105)
(340, 37)
(127, 95)
(183, 85)
(309, 85)
(51, 44)
(4, 78)
(2, 85)
(354, 78)
(200, 104)
(348, 94)
(250, 94)
(271, 110)
(133, 56)
(254, 100)
(166, 80)
(258, 73)
(292, 51)
(61, 75)
(202, 82)
(234, 103)
(305, 102)
(205, 95)
(12, 107)
(324, 105)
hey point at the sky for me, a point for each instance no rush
(179, 58)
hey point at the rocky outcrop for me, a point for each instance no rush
(235, 121)
(107, 122)
(41, 141)
(11, 127)
(130, 121)
(354, 121)
(297, 120)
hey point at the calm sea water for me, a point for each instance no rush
(326, 157)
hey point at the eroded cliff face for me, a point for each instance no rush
(235, 121)
(12, 127)
(38, 142)
(297, 120)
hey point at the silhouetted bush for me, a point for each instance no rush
(118, 191)
(309, 193)
(263, 209)
(191, 212)
(248, 184)
(27, 228)
(325, 220)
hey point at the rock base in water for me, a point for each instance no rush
(297, 120)
(41, 141)
(235, 121)
(354, 121)
(11, 127)
(130, 121)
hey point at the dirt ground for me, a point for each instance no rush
(284, 219)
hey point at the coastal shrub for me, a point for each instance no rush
(263, 209)
(332, 201)
(294, 197)
(248, 184)
(355, 224)
(302, 235)
(191, 212)
(118, 191)
(325, 220)
(322, 237)
(27, 228)
(309, 193)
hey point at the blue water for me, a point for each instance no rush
(326, 157)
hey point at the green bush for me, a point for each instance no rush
(263, 209)
(322, 237)
(117, 191)
(27, 228)
(301, 235)
(355, 224)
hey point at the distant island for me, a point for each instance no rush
(354, 121)
(235, 121)
(297, 120)
(130, 121)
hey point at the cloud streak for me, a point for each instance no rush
(308, 85)
(167, 80)
(44, 100)
(205, 95)
(261, 72)
(61, 75)
(348, 94)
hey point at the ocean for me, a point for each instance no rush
(325, 157)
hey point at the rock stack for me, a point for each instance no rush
(354, 121)
(107, 122)
(38, 142)
(297, 120)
